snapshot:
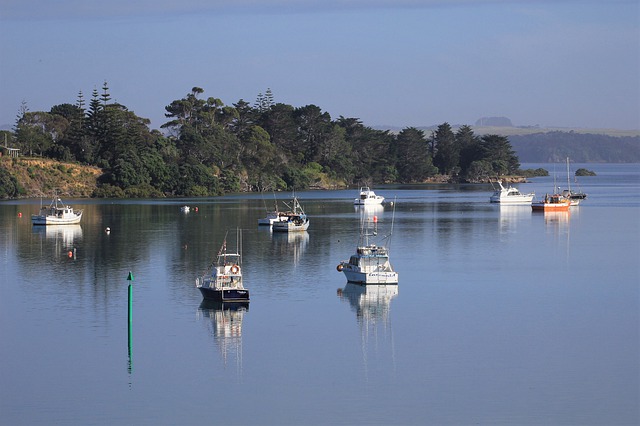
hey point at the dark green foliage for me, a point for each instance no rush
(9, 186)
(212, 148)
(528, 173)
(585, 172)
(447, 151)
(412, 156)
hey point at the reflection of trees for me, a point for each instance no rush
(372, 306)
(224, 319)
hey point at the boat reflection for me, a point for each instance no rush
(64, 237)
(369, 209)
(224, 320)
(290, 245)
(370, 302)
(372, 305)
(553, 218)
(511, 215)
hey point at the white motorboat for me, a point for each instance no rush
(367, 196)
(57, 213)
(370, 264)
(185, 209)
(294, 220)
(223, 281)
(511, 196)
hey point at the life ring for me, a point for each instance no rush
(235, 269)
(340, 267)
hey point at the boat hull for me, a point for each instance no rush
(368, 201)
(289, 227)
(225, 295)
(377, 277)
(512, 200)
(54, 220)
(547, 207)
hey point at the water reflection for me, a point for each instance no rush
(369, 210)
(64, 237)
(224, 320)
(372, 305)
(511, 215)
(290, 245)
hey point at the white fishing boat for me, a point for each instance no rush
(57, 213)
(223, 281)
(511, 196)
(370, 264)
(367, 196)
(273, 216)
(294, 220)
(185, 209)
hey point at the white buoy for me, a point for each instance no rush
(107, 230)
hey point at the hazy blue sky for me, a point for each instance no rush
(405, 63)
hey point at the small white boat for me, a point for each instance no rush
(294, 220)
(511, 196)
(185, 209)
(224, 281)
(273, 216)
(367, 196)
(370, 264)
(57, 213)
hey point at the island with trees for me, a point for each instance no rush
(207, 148)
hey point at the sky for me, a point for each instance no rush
(401, 63)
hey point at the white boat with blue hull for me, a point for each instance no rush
(370, 264)
(223, 282)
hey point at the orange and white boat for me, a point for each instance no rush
(551, 203)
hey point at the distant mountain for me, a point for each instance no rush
(556, 146)
(494, 122)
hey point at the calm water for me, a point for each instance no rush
(501, 316)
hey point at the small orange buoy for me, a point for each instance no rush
(375, 219)
(70, 254)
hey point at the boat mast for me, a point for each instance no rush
(568, 180)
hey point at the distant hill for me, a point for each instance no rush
(552, 147)
(494, 121)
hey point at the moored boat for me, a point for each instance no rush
(370, 264)
(224, 281)
(551, 203)
(273, 216)
(294, 220)
(511, 196)
(57, 213)
(573, 196)
(367, 197)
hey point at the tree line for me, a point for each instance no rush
(208, 148)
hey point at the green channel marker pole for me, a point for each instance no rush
(130, 300)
